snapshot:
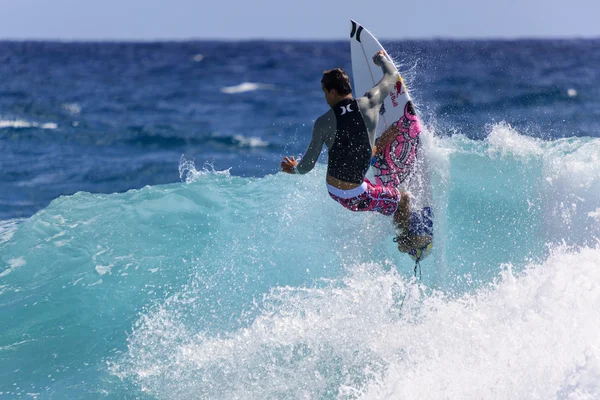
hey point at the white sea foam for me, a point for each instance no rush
(13, 264)
(103, 269)
(15, 124)
(246, 87)
(198, 57)
(532, 333)
(8, 228)
(572, 191)
(4, 124)
(188, 172)
(376, 336)
(72, 108)
(252, 141)
(503, 139)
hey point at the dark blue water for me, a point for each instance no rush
(108, 117)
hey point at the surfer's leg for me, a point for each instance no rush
(373, 198)
(402, 214)
(386, 138)
(402, 224)
(383, 199)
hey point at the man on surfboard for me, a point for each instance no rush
(348, 130)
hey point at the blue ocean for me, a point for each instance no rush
(150, 247)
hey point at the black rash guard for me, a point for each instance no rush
(350, 155)
(326, 127)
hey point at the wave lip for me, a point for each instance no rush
(8, 229)
(505, 140)
(246, 87)
(188, 172)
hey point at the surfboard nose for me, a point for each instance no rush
(356, 29)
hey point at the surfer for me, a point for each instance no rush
(348, 130)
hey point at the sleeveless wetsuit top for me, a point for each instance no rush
(350, 154)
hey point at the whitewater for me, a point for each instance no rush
(263, 288)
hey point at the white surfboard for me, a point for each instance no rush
(407, 151)
(365, 75)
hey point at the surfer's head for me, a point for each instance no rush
(336, 85)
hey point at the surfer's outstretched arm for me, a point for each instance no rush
(307, 163)
(378, 94)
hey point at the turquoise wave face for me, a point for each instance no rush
(223, 286)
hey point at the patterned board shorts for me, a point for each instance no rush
(367, 197)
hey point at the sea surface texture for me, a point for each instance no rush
(150, 247)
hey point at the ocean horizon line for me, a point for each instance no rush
(297, 40)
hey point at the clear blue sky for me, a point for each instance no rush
(302, 19)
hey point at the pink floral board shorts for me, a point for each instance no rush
(367, 197)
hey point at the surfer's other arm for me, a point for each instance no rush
(308, 161)
(378, 94)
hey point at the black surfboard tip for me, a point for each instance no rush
(356, 30)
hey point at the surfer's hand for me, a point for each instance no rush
(376, 58)
(288, 164)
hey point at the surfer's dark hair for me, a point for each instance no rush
(337, 79)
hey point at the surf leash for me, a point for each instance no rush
(418, 267)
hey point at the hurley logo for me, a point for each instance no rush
(346, 109)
